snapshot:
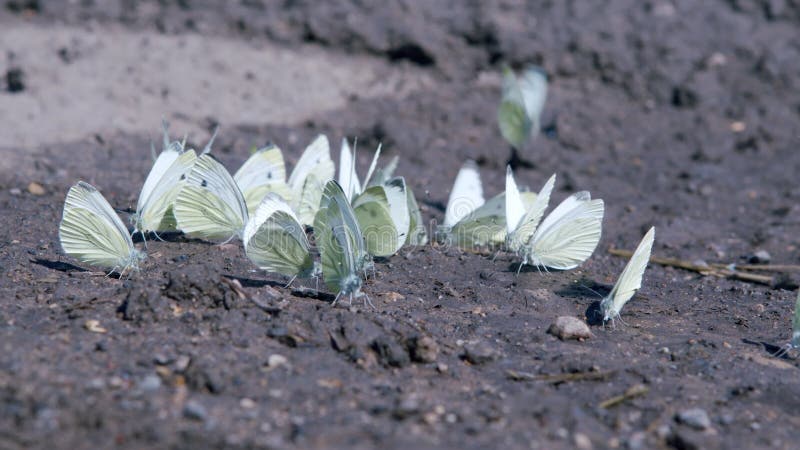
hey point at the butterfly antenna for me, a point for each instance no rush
(590, 289)
(336, 299)
(290, 282)
(153, 151)
(155, 233)
(207, 148)
(519, 269)
(367, 301)
(782, 351)
(144, 238)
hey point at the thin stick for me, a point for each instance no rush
(760, 267)
(634, 391)
(722, 272)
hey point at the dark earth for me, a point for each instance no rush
(679, 114)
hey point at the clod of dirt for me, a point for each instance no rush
(390, 353)
(144, 304)
(204, 376)
(15, 80)
(200, 285)
(568, 327)
(406, 406)
(423, 349)
(479, 352)
(695, 417)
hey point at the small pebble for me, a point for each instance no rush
(94, 326)
(568, 327)
(760, 257)
(36, 188)
(15, 191)
(695, 417)
(194, 411)
(582, 442)
(276, 361)
(247, 403)
(150, 383)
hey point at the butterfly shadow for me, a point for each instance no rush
(164, 236)
(777, 351)
(297, 291)
(58, 265)
(587, 288)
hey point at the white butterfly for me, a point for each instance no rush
(340, 243)
(521, 105)
(567, 236)
(210, 205)
(163, 183)
(91, 232)
(469, 220)
(315, 161)
(275, 241)
(631, 279)
(521, 222)
(382, 209)
(262, 173)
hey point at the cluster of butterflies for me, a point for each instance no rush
(353, 220)
(514, 222)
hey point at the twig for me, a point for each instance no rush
(702, 269)
(559, 377)
(759, 267)
(634, 391)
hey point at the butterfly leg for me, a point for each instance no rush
(290, 282)
(367, 301)
(782, 351)
(336, 299)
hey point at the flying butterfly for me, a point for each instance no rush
(275, 241)
(521, 104)
(210, 205)
(91, 232)
(341, 244)
(630, 280)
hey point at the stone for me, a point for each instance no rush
(195, 411)
(568, 327)
(479, 352)
(696, 418)
(423, 349)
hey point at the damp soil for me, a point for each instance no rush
(679, 114)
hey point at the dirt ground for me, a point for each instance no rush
(679, 114)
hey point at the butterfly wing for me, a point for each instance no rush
(383, 174)
(569, 239)
(337, 240)
(522, 234)
(91, 232)
(512, 116)
(316, 159)
(533, 86)
(515, 210)
(210, 205)
(466, 196)
(416, 227)
(382, 215)
(154, 211)
(796, 323)
(275, 241)
(631, 278)
(262, 173)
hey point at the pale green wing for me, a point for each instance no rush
(161, 188)
(357, 244)
(382, 215)
(385, 173)
(630, 280)
(416, 227)
(262, 173)
(337, 241)
(533, 86)
(466, 196)
(210, 205)
(91, 232)
(570, 240)
(527, 225)
(512, 116)
(480, 227)
(309, 199)
(315, 159)
(348, 178)
(275, 241)
(796, 323)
